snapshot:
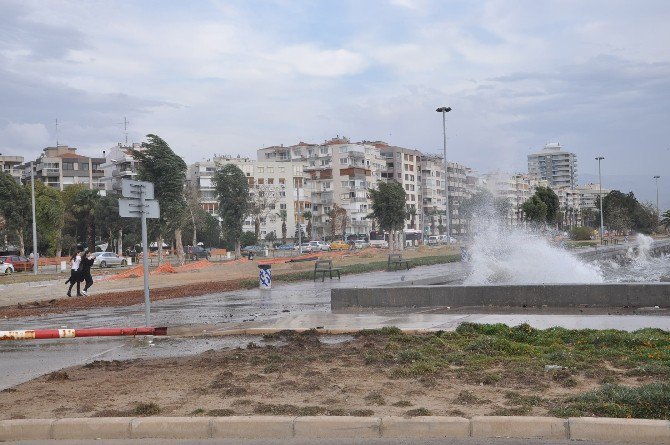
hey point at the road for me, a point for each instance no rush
(286, 306)
(381, 441)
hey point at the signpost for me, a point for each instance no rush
(140, 203)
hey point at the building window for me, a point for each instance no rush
(68, 166)
(261, 170)
(271, 181)
(282, 206)
(282, 169)
(271, 169)
(83, 166)
(261, 181)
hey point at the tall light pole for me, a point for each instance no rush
(444, 111)
(32, 187)
(600, 194)
(658, 210)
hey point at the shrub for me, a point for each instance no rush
(581, 233)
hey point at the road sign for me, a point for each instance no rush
(131, 189)
(132, 208)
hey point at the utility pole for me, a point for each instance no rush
(658, 210)
(444, 111)
(32, 186)
(299, 227)
(600, 194)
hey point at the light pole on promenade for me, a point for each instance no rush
(658, 210)
(32, 188)
(444, 111)
(600, 194)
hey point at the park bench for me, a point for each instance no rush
(395, 260)
(325, 267)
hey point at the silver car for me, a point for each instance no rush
(109, 259)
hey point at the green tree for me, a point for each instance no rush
(15, 208)
(388, 208)
(283, 216)
(550, 199)
(665, 220)
(535, 209)
(161, 166)
(248, 239)
(308, 216)
(233, 190)
(49, 214)
(109, 224)
(82, 211)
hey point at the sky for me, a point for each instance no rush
(229, 77)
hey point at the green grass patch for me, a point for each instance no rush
(650, 401)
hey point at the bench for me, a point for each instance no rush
(396, 260)
(323, 267)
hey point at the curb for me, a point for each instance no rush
(266, 427)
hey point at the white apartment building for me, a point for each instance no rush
(12, 166)
(119, 164)
(404, 166)
(557, 167)
(516, 189)
(278, 181)
(336, 172)
(60, 167)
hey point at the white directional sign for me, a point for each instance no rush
(132, 208)
(132, 189)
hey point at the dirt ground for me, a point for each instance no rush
(297, 374)
(23, 299)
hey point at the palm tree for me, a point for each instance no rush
(283, 216)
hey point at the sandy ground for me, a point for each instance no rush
(34, 298)
(291, 375)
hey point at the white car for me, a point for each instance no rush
(6, 268)
(319, 245)
(359, 244)
(109, 259)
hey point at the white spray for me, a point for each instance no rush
(503, 255)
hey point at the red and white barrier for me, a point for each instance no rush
(40, 334)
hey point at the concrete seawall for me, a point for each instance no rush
(552, 295)
(620, 251)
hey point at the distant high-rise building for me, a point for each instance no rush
(61, 166)
(558, 168)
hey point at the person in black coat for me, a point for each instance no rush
(85, 272)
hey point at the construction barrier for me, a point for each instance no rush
(41, 334)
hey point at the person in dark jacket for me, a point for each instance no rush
(85, 272)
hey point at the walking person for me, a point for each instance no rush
(85, 275)
(75, 264)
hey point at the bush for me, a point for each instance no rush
(581, 233)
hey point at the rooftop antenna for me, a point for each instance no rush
(56, 132)
(125, 128)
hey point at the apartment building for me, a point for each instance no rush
(12, 166)
(515, 189)
(61, 166)
(404, 166)
(119, 164)
(337, 172)
(557, 167)
(277, 185)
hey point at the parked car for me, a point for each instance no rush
(306, 247)
(319, 245)
(255, 249)
(339, 245)
(286, 247)
(6, 268)
(197, 252)
(19, 263)
(359, 244)
(109, 259)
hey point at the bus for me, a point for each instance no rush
(379, 239)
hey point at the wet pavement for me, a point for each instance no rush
(286, 306)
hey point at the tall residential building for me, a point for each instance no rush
(274, 184)
(558, 168)
(337, 172)
(11, 165)
(60, 167)
(119, 164)
(404, 166)
(515, 189)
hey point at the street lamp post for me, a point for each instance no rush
(600, 194)
(32, 188)
(658, 210)
(444, 111)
